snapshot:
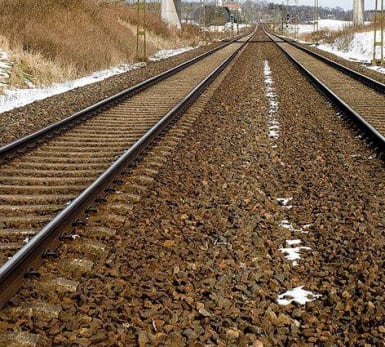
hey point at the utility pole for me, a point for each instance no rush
(287, 18)
(315, 22)
(378, 25)
(296, 28)
(202, 19)
(282, 16)
(141, 45)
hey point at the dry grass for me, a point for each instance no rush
(53, 40)
(33, 67)
(345, 35)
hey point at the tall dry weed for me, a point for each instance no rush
(72, 38)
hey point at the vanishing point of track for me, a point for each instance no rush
(51, 177)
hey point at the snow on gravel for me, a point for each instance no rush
(293, 253)
(284, 201)
(166, 53)
(293, 242)
(273, 103)
(299, 295)
(13, 98)
(284, 223)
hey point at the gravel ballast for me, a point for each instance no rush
(199, 261)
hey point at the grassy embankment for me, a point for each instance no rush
(56, 40)
(343, 36)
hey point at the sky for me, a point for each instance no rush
(345, 4)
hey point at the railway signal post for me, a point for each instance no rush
(315, 22)
(296, 24)
(141, 45)
(378, 57)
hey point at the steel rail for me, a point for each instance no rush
(370, 131)
(31, 256)
(368, 81)
(29, 141)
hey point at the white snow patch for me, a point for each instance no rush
(299, 295)
(293, 253)
(284, 223)
(284, 202)
(293, 242)
(359, 49)
(287, 225)
(14, 98)
(166, 53)
(324, 24)
(273, 103)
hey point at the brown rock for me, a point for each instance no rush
(99, 337)
(257, 343)
(232, 334)
(142, 339)
(284, 320)
(346, 295)
(169, 243)
(201, 309)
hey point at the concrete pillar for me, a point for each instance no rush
(170, 12)
(358, 12)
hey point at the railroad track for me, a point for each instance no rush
(361, 98)
(50, 179)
